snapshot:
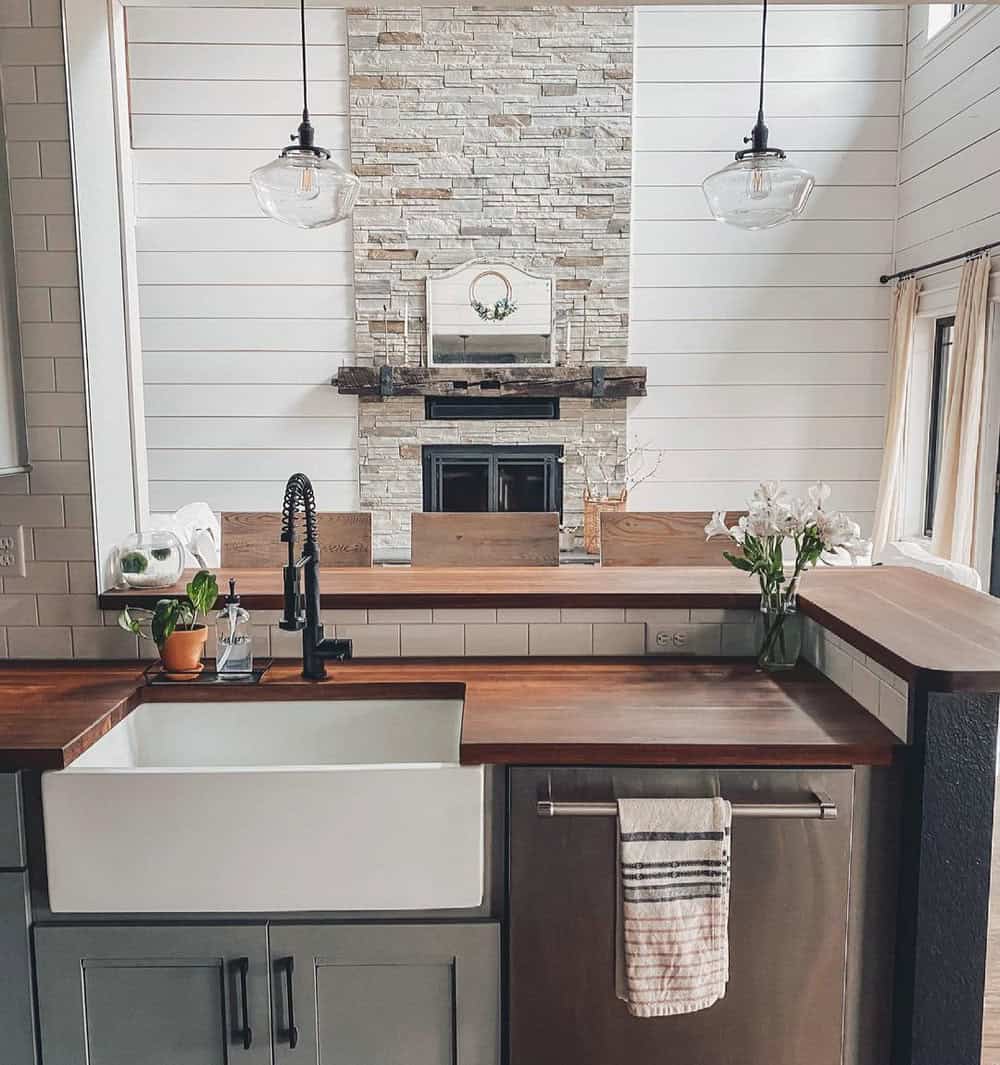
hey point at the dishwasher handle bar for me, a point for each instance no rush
(822, 808)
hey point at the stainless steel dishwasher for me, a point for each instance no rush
(793, 987)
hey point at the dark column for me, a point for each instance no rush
(944, 901)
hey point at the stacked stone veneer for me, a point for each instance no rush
(506, 135)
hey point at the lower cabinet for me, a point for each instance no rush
(386, 994)
(188, 995)
(17, 1027)
(391, 994)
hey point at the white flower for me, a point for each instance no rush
(717, 526)
(759, 522)
(819, 493)
(768, 492)
(836, 529)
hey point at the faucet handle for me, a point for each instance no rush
(294, 619)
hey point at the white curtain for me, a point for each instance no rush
(888, 524)
(955, 500)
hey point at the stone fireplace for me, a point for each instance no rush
(500, 134)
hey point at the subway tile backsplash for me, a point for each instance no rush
(881, 692)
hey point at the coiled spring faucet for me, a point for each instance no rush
(316, 648)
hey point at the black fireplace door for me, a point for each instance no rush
(470, 478)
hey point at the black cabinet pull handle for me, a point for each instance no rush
(291, 1033)
(244, 1032)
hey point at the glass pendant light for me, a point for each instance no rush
(304, 186)
(762, 188)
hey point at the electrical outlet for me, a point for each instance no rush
(12, 551)
(671, 639)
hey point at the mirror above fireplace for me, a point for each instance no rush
(489, 313)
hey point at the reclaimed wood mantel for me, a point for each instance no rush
(564, 382)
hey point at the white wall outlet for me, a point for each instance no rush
(12, 551)
(671, 639)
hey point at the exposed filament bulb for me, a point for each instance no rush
(758, 183)
(308, 187)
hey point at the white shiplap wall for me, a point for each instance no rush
(766, 351)
(949, 163)
(243, 320)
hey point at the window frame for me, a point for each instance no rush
(924, 47)
(944, 334)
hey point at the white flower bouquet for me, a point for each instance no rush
(760, 536)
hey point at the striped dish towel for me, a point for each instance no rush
(673, 888)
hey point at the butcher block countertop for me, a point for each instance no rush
(539, 712)
(925, 629)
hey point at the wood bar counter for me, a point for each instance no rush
(922, 627)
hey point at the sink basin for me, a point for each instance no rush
(268, 806)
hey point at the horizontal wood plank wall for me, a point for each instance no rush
(949, 163)
(485, 540)
(244, 320)
(251, 540)
(766, 351)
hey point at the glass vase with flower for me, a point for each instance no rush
(777, 541)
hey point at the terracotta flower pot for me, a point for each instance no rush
(181, 653)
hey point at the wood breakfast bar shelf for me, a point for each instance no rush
(923, 628)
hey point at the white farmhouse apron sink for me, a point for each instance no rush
(268, 806)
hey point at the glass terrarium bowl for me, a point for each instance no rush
(150, 560)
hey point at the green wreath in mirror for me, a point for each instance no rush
(492, 312)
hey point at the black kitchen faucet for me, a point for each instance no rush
(316, 648)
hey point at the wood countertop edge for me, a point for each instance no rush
(867, 745)
(673, 755)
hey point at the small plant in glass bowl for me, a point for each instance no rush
(153, 559)
(174, 627)
(760, 538)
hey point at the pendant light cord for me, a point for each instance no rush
(763, 49)
(305, 98)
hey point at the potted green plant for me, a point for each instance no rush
(174, 627)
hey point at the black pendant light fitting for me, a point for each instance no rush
(305, 135)
(758, 135)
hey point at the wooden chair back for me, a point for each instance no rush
(250, 539)
(484, 539)
(661, 538)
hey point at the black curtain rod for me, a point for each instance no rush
(970, 254)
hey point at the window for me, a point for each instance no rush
(13, 441)
(941, 15)
(944, 332)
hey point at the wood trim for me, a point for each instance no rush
(486, 540)
(660, 538)
(251, 539)
(569, 382)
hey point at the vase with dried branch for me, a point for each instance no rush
(610, 472)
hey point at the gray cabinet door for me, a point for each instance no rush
(390, 994)
(114, 995)
(11, 830)
(17, 1024)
